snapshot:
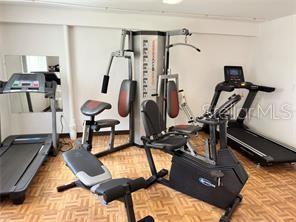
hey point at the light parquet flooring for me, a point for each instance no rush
(269, 195)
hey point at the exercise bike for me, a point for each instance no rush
(216, 178)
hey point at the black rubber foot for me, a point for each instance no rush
(18, 198)
(224, 219)
(66, 187)
(229, 211)
(162, 173)
(147, 219)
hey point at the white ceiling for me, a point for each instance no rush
(228, 9)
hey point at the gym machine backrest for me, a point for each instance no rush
(153, 123)
(126, 97)
(217, 181)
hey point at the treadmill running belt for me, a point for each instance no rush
(14, 162)
(269, 148)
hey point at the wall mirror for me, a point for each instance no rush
(33, 102)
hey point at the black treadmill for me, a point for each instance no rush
(22, 155)
(259, 148)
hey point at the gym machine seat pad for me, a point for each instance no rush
(168, 143)
(104, 123)
(186, 129)
(95, 176)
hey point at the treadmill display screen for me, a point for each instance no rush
(25, 84)
(234, 74)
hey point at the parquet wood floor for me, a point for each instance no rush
(269, 195)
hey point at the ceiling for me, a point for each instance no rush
(228, 9)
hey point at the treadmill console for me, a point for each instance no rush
(25, 83)
(234, 75)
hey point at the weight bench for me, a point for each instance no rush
(91, 174)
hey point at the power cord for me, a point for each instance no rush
(65, 142)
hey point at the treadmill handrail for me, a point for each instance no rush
(228, 87)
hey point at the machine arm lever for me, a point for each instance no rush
(266, 89)
(183, 44)
(106, 76)
(183, 31)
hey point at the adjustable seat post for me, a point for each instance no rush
(87, 135)
(111, 139)
(150, 159)
(90, 134)
(223, 134)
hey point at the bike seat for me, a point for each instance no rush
(187, 129)
(94, 107)
(168, 143)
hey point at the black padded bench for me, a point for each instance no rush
(91, 174)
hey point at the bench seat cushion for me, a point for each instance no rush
(86, 167)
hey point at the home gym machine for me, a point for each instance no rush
(147, 54)
(22, 155)
(216, 177)
(259, 148)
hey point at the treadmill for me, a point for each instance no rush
(262, 150)
(22, 155)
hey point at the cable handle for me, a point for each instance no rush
(105, 84)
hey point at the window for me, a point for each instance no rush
(35, 63)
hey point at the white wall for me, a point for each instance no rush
(275, 65)
(94, 35)
(95, 18)
(4, 126)
(200, 72)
